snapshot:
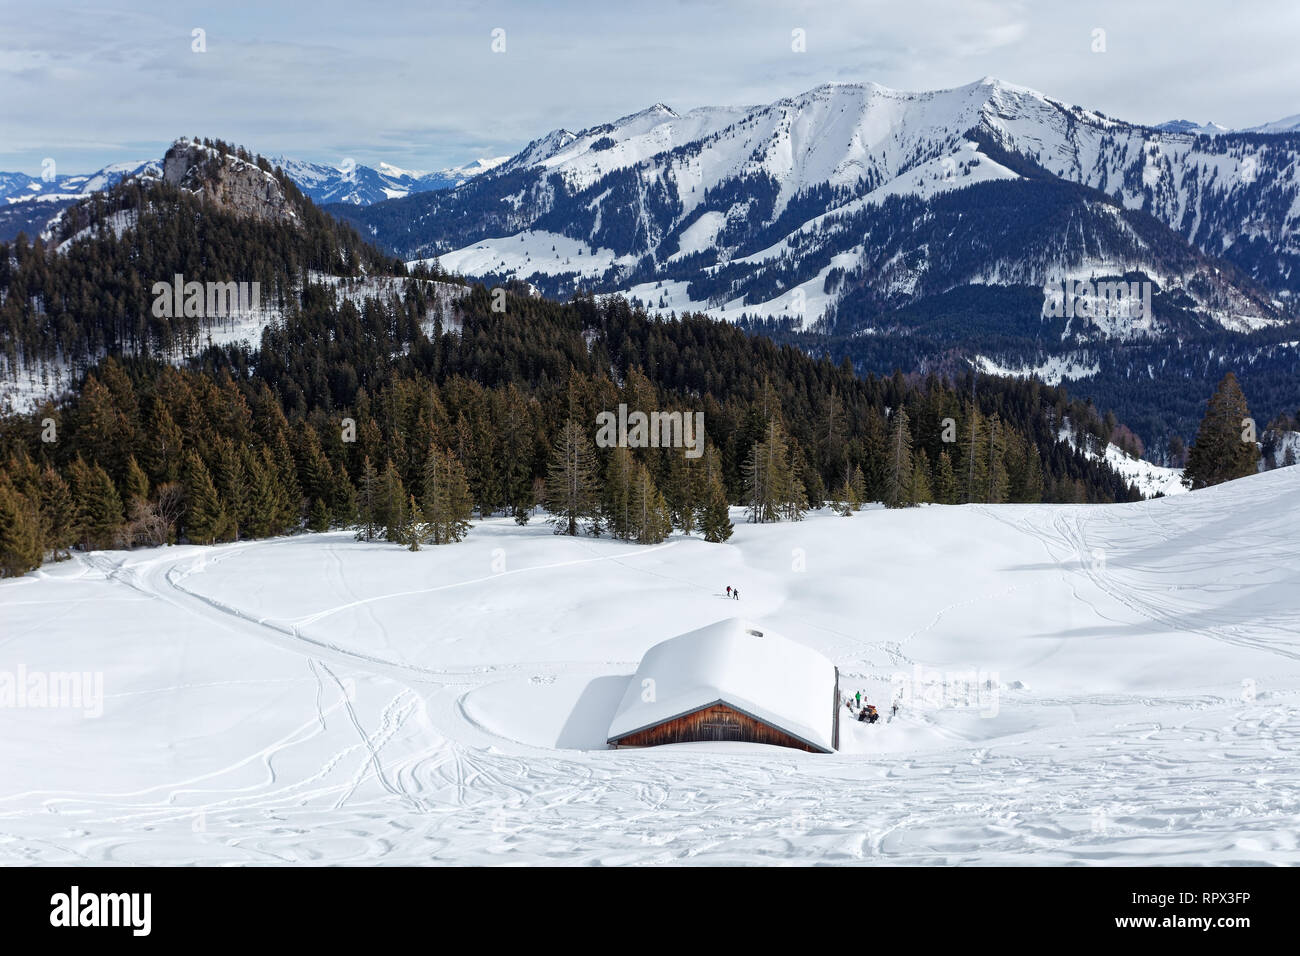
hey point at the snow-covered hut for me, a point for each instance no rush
(731, 680)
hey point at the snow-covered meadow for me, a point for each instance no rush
(1082, 684)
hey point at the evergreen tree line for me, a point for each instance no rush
(318, 429)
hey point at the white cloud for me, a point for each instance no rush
(418, 85)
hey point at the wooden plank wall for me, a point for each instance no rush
(718, 722)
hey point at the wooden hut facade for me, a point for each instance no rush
(731, 681)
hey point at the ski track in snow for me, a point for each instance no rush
(243, 725)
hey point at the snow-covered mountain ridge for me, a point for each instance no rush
(857, 191)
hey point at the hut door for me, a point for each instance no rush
(722, 724)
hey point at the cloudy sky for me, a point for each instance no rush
(419, 85)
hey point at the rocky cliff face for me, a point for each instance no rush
(227, 180)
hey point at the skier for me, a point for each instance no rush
(728, 590)
(736, 594)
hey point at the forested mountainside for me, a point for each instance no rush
(1156, 386)
(358, 409)
(250, 442)
(86, 288)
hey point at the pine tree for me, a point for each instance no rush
(793, 494)
(651, 520)
(945, 481)
(447, 505)
(80, 481)
(316, 473)
(137, 482)
(343, 503)
(972, 467)
(231, 480)
(266, 506)
(715, 513)
(1028, 486)
(772, 486)
(856, 486)
(898, 465)
(831, 433)
(1224, 448)
(58, 513)
(518, 448)
(98, 506)
(392, 512)
(103, 431)
(368, 500)
(164, 446)
(872, 455)
(319, 519)
(616, 502)
(291, 496)
(415, 528)
(206, 521)
(21, 544)
(995, 472)
(571, 488)
(685, 489)
(841, 500)
(919, 492)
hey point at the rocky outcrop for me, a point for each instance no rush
(227, 180)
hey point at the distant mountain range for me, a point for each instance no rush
(363, 185)
(17, 187)
(1289, 124)
(28, 203)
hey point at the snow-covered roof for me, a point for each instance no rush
(744, 665)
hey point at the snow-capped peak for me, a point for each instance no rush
(388, 169)
(1195, 129)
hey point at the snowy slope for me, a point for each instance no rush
(1094, 685)
(1148, 478)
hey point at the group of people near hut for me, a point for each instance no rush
(864, 710)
